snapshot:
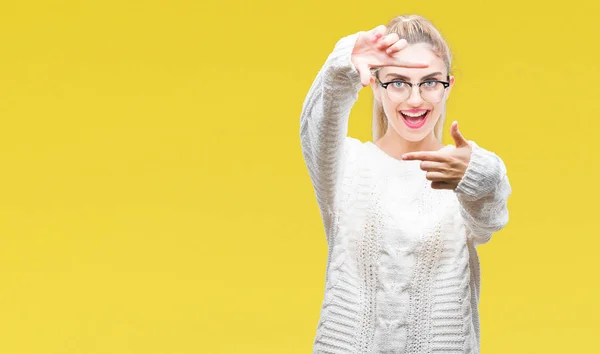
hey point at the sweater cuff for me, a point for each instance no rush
(484, 173)
(340, 61)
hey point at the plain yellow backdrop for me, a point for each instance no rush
(154, 199)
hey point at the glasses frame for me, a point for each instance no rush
(411, 85)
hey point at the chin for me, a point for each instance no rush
(413, 137)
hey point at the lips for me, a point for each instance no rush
(415, 118)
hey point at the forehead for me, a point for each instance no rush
(418, 52)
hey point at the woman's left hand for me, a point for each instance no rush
(447, 166)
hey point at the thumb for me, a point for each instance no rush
(365, 74)
(459, 139)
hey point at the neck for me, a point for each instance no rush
(395, 145)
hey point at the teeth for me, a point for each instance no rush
(414, 114)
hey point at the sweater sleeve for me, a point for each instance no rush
(483, 194)
(324, 121)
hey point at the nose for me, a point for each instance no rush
(415, 98)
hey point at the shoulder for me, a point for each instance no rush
(354, 151)
(354, 147)
(353, 143)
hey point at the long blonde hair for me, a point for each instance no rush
(415, 29)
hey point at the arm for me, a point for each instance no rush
(324, 121)
(483, 193)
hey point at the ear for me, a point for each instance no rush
(375, 88)
(450, 87)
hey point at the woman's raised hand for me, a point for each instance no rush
(374, 49)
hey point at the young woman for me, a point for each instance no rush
(403, 214)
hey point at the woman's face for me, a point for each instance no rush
(413, 128)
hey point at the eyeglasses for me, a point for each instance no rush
(399, 91)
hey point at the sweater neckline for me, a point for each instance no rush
(401, 163)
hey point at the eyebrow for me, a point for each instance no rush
(406, 78)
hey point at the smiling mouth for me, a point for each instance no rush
(415, 121)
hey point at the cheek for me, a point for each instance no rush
(437, 110)
(390, 109)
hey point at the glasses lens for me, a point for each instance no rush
(432, 91)
(398, 91)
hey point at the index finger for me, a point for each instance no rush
(425, 156)
(402, 63)
(409, 64)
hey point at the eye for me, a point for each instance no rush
(398, 84)
(429, 83)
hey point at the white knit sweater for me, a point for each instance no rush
(402, 269)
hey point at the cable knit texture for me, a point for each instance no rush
(402, 268)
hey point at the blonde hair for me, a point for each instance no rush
(415, 29)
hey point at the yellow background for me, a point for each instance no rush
(154, 199)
